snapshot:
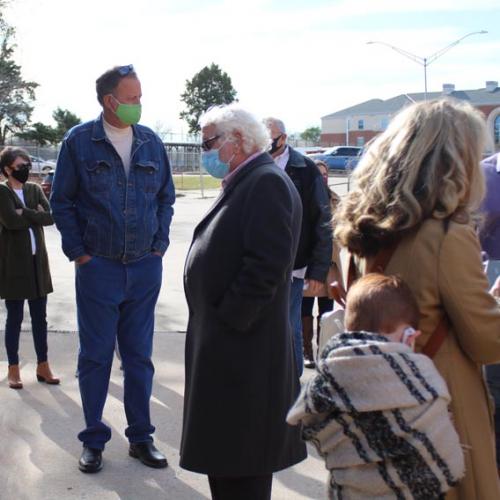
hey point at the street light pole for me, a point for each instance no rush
(425, 61)
(425, 78)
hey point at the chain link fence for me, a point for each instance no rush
(184, 157)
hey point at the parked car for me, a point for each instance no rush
(340, 157)
(309, 150)
(39, 165)
(46, 183)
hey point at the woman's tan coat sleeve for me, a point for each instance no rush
(473, 312)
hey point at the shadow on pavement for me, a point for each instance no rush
(60, 418)
(301, 483)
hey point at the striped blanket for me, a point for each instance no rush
(377, 412)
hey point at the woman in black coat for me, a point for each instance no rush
(241, 376)
(24, 266)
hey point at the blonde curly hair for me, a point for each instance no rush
(425, 165)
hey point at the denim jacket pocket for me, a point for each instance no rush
(99, 175)
(148, 175)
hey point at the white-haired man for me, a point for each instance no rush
(240, 371)
(314, 253)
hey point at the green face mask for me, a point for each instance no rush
(130, 114)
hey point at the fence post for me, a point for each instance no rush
(202, 187)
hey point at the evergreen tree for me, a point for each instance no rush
(45, 134)
(40, 133)
(65, 120)
(16, 94)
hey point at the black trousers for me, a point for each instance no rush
(15, 312)
(324, 305)
(241, 488)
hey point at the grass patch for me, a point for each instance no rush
(192, 181)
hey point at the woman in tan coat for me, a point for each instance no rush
(417, 190)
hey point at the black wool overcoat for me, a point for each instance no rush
(17, 266)
(241, 376)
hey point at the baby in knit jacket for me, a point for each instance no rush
(376, 411)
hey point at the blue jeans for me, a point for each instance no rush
(115, 302)
(38, 313)
(296, 291)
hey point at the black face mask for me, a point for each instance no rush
(22, 174)
(274, 144)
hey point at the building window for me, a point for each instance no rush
(496, 131)
(384, 123)
(361, 124)
(360, 141)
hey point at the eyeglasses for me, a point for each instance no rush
(208, 144)
(125, 70)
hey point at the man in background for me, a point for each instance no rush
(490, 243)
(315, 245)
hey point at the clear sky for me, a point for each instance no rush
(294, 59)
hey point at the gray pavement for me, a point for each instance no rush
(38, 424)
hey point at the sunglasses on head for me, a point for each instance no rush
(125, 70)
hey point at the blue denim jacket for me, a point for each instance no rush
(97, 209)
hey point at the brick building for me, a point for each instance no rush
(357, 124)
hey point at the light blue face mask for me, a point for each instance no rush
(213, 164)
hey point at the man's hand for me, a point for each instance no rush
(83, 259)
(157, 253)
(40, 208)
(19, 211)
(314, 287)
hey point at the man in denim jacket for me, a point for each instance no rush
(112, 202)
